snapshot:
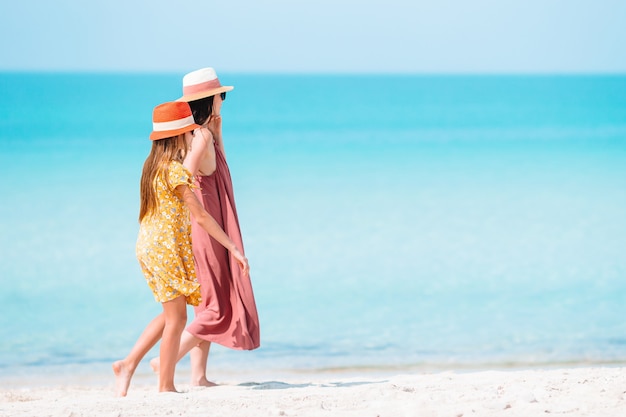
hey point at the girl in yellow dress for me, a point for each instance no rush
(164, 242)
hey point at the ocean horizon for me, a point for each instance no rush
(391, 221)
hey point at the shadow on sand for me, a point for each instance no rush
(284, 385)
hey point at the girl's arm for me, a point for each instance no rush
(209, 224)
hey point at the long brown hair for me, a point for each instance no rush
(162, 153)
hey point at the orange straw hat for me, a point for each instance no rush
(202, 83)
(171, 119)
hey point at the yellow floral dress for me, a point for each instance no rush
(164, 243)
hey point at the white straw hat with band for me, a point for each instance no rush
(202, 83)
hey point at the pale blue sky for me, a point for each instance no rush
(484, 36)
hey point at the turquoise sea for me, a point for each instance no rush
(391, 222)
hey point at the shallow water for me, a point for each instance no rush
(444, 222)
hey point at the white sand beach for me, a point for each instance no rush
(598, 391)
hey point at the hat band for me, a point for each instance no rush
(173, 125)
(198, 88)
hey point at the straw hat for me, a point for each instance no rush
(202, 83)
(171, 119)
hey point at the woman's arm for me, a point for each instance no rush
(215, 127)
(201, 156)
(196, 152)
(209, 224)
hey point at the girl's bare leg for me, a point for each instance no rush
(125, 368)
(187, 342)
(199, 358)
(175, 312)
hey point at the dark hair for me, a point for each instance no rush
(201, 109)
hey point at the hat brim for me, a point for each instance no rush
(162, 134)
(207, 93)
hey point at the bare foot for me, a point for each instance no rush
(168, 389)
(203, 382)
(123, 374)
(155, 364)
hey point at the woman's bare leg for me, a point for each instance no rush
(125, 368)
(199, 358)
(175, 312)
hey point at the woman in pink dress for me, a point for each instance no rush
(227, 314)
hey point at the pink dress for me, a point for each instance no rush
(227, 314)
